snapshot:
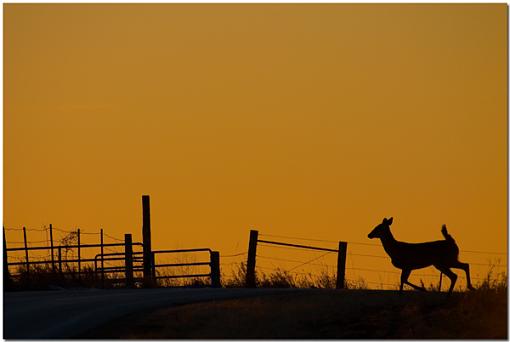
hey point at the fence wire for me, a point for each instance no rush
(234, 255)
(301, 263)
(367, 243)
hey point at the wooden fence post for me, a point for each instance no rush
(102, 259)
(60, 259)
(26, 250)
(7, 275)
(146, 234)
(128, 255)
(51, 245)
(153, 264)
(79, 254)
(340, 266)
(252, 255)
(95, 272)
(215, 269)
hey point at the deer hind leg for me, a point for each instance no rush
(403, 280)
(465, 267)
(449, 274)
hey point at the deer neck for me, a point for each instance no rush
(389, 243)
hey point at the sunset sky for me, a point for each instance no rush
(294, 119)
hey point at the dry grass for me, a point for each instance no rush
(42, 277)
(281, 278)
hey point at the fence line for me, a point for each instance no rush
(493, 265)
(282, 270)
(234, 255)
(365, 244)
(298, 238)
(307, 262)
(481, 252)
(252, 256)
(22, 242)
(370, 255)
(54, 228)
(254, 239)
(112, 264)
(290, 260)
(387, 257)
(51, 258)
(31, 229)
(368, 244)
(111, 237)
(63, 231)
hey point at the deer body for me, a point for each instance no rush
(442, 254)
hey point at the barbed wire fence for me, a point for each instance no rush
(287, 265)
(62, 240)
(270, 260)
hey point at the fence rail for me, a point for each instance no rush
(252, 257)
(297, 246)
(131, 259)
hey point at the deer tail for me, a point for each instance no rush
(447, 236)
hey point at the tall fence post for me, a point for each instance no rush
(79, 254)
(26, 250)
(146, 234)
(7, 275)
(51, 245)
(153, 264)
(60, 259)
(102, 259)
(252, 255)
(215, 269)
(128, 255)
(340, 266)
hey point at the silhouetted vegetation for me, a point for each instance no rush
(44, 277)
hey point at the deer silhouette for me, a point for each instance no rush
(442, 254)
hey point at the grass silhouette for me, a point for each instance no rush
(43, 277)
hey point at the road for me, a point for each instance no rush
(69, 313)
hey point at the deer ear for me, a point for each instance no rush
(390, 221)
(384, 220)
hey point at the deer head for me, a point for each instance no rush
(382, 229)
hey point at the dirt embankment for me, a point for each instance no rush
(325, 314)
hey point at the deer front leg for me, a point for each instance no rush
(403, 280)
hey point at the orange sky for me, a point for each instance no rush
(301, 120)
